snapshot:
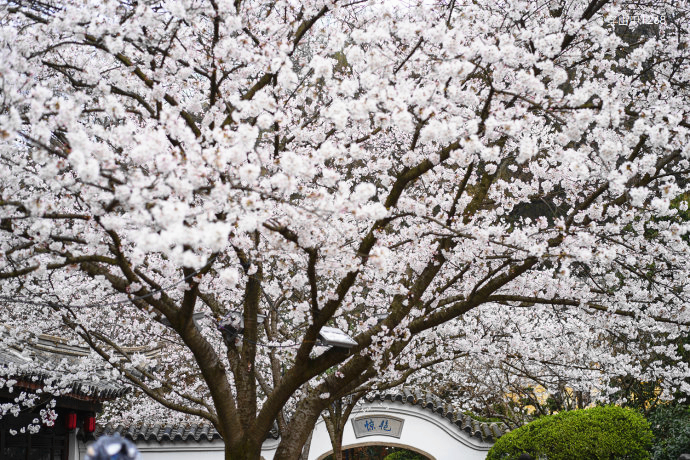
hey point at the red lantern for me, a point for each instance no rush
(71, 421)
(90, 424)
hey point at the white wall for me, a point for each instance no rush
(423, 431)
(202, 450)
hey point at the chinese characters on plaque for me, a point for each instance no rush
(371, 425)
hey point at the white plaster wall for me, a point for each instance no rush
(73, 453)
(203, 450)
(423, 430)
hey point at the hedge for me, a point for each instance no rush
(602, 433)
(671, 428)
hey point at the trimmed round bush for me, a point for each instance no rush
(602, 433)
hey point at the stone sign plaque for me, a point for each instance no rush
(382, 425)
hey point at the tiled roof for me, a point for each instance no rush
(204, 431)
(484, 431)
(33, 364)
(161, 432)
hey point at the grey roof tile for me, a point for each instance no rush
(481, 430)
(166, 432)
(205, 432)
(39, 358)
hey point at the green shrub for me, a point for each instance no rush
(671, 428)
(602, 433)
(404, 455)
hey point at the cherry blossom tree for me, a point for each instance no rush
(224, 179)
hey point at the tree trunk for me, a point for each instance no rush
(338, 447)
(306, 447)
(247, 450)
(299, 430)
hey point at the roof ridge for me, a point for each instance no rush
(485, 431)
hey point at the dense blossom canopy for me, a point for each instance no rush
(485, 181)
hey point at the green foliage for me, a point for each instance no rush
(671, 428)
(609, 432)
(404, 455)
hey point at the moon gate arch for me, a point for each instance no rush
(414, 420)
